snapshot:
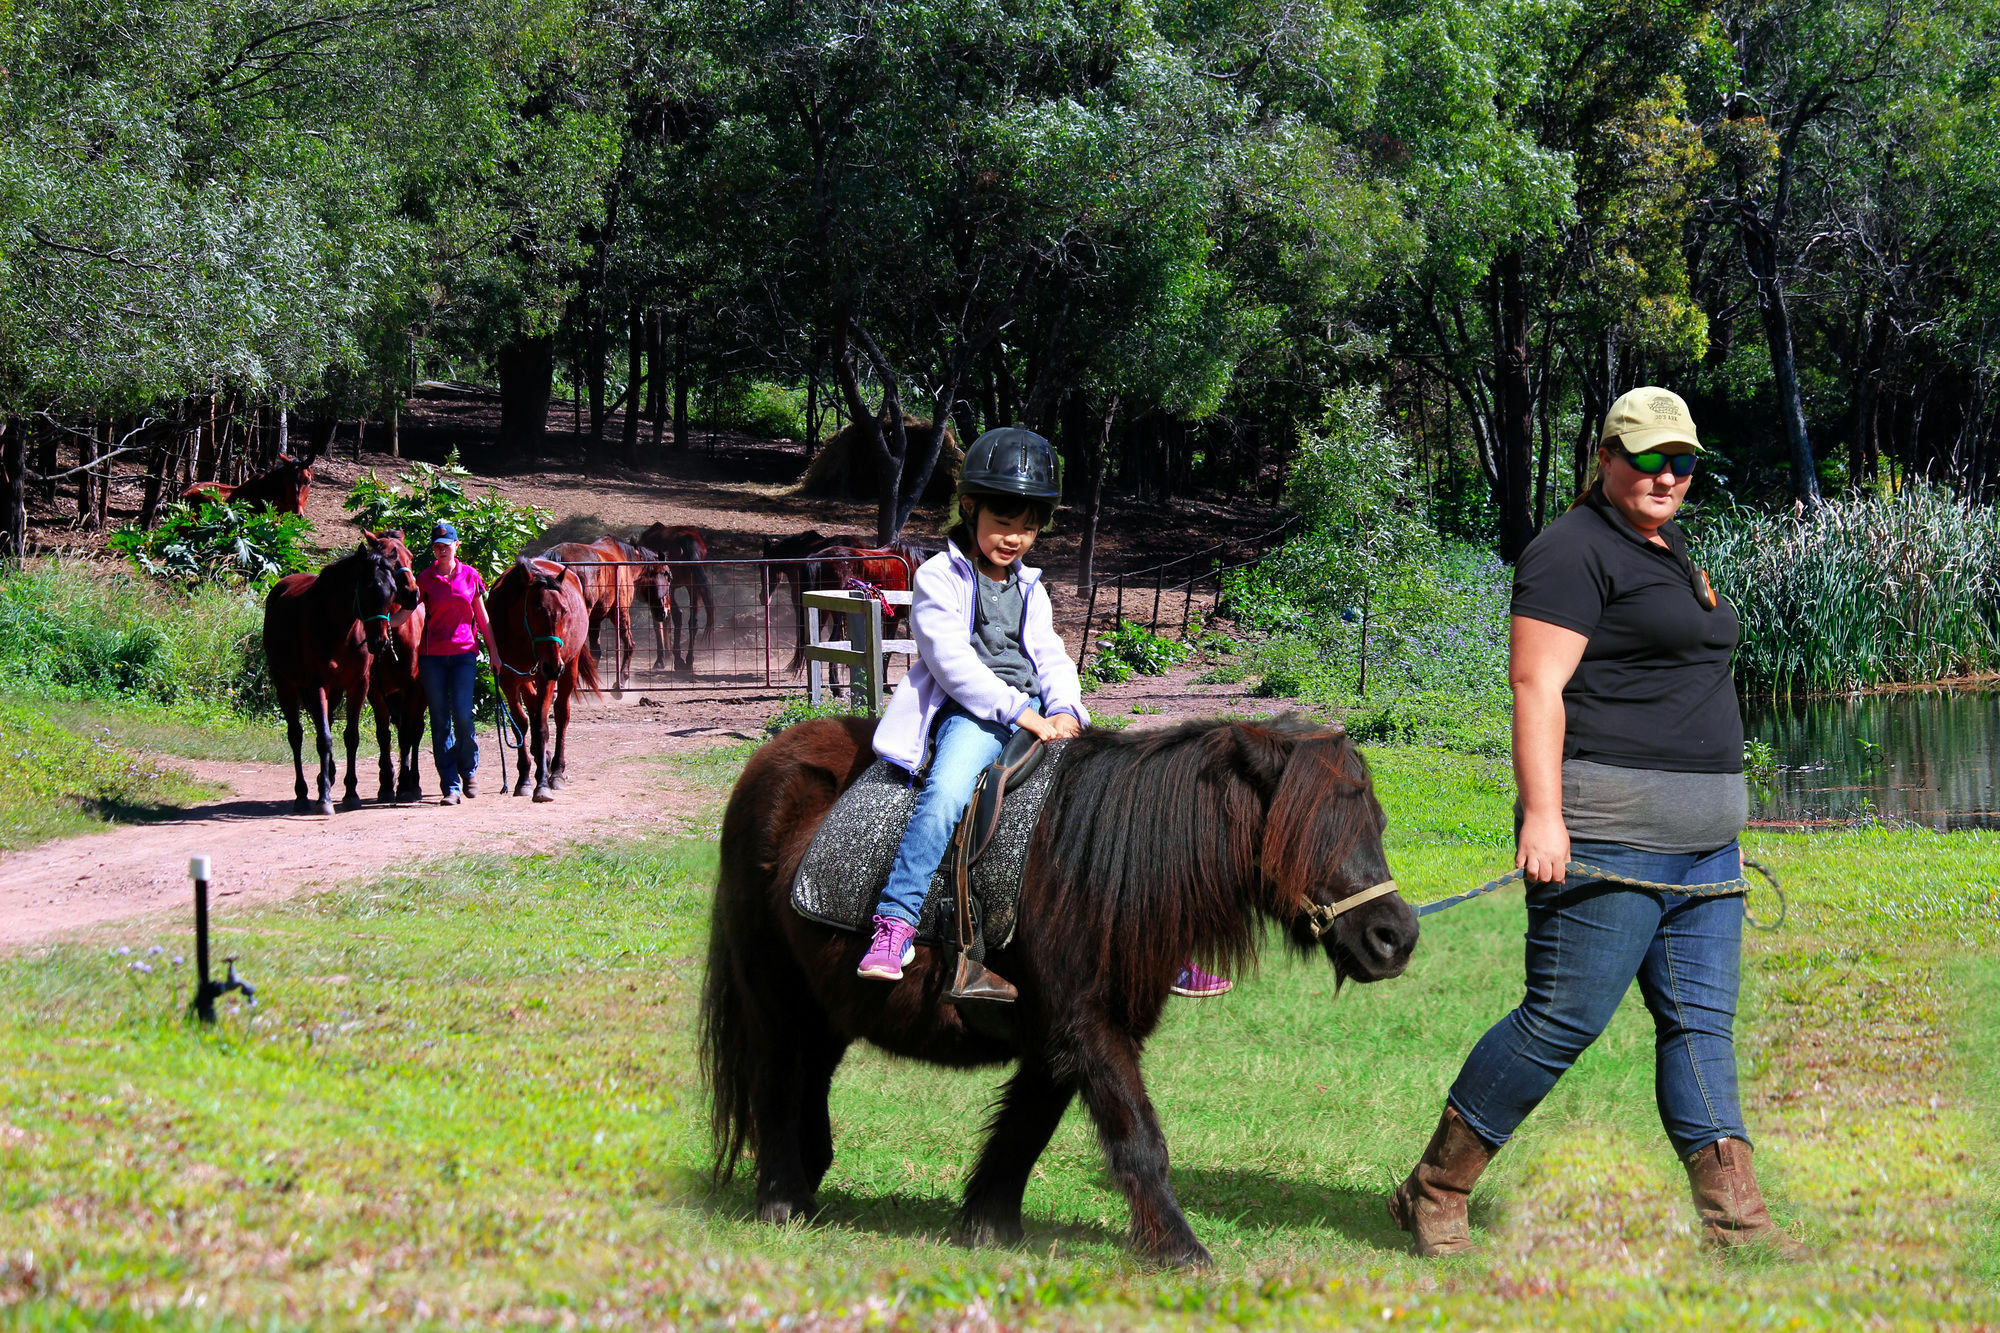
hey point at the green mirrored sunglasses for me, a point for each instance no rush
(1653, 462)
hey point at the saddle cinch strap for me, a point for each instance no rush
(971, 981)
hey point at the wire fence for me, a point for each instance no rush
(1205, 566)
(714, 624)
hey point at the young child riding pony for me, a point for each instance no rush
(989, 662)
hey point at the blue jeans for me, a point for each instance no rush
(448, 681)
(1587, 940)
(965, 747)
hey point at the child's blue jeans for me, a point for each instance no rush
(1587, 941)
(965, 748)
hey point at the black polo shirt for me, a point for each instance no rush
(1654, 688)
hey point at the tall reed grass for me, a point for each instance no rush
(1864, 592)
(70, 631)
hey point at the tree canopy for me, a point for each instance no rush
(1167, 232)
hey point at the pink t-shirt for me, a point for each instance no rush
(448, 627)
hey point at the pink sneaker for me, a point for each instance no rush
(1199, 985)
(892, 948)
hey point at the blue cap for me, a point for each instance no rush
(444, 532)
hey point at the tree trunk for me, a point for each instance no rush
(1760, 253)
(593, 371)
(680, 381)
(14, 498)
(86, 475)
(105, 449)
(656, 378)
(158, 457)
(1086, 559)
(635, 373)
(1514, 425)
(527, 368)
(205, 457)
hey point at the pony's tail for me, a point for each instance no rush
(725, 1036)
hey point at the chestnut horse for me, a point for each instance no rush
(686, 553)
(321, 632)
(611, 574)
(539, 620)
(1154, 847)
(891, 568)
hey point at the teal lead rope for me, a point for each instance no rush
(1738, 886)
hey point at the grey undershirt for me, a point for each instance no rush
(996, 633)
(1652, 809)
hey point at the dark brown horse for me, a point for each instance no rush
(283, 487)
(611, 575)
(539, 620)
(321, 632)
(396, 697)
(1155, 847)
(395, 693)
(686, 552)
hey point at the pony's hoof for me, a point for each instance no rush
(351, 801)
(558, 782)
(326, 807)
(300, 805)
(1189, 1253)
(778, 1212)
(543, 794)
(387, 796)
(976, 1232)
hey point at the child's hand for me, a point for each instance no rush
(1064, 726)
(1037, 726)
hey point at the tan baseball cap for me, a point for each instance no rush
(1647, 419)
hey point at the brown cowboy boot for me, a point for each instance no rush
(1730, 1205)
(1430, 1205)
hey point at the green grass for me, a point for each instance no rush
(68, 630)
(185, 731)
(466, 1096)
(57, 779)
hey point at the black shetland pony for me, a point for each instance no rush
(1155, 847)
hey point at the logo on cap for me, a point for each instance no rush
(1664, 408)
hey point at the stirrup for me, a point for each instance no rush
(973, 983)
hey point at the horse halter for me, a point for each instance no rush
(1320, 917)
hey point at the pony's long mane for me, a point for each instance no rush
(1173, 841)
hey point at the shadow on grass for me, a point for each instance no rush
(904, 1216)
(1257, 1201)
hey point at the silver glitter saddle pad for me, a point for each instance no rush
(847, 865)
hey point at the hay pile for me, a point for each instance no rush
(844, 470)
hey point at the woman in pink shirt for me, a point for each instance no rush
(455, 625)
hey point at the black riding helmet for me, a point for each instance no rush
(1010, 461)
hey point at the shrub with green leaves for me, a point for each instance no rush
(211, 542)
(758, 407)
(1132, 648)
(66, 632)
(492, 529)
(802, 709)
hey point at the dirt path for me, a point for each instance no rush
(622, 781)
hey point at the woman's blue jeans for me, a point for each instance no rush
(1587, 940)
(965, 747)
(448, 681)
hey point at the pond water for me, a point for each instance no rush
(1930, 758)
